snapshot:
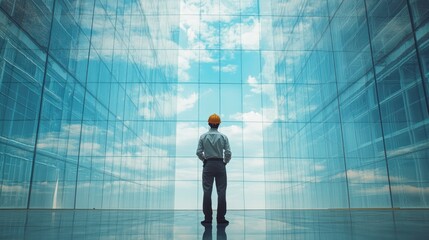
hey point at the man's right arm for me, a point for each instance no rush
(227, 151)
(200, 150)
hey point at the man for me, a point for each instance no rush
(213, 149)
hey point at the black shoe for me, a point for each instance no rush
(206, 222)
(223, 221)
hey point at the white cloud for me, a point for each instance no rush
(266, 116)
(67, 139)
(251, 116)
(119, 187)
(232, 130)
(184, 64)
(253, 83)
(407, 149)
(296, 171)
(166, 104)
(13, 188)
(203, 33)
(251, 80)
(367, 176)
(409, 189)
(402, 189)
(250, 34)
(267, 88)
(89, 147)
(185, 103)
(187, 135)
(228, 68)
(150, 39)
(319, 167)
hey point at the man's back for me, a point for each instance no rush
(212, 144)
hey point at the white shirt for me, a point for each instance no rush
(214, 144)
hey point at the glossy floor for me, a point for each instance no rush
(254, 224)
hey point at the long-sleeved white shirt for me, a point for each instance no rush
(214, 144)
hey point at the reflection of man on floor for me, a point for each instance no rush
(213, 149)
(221, 235)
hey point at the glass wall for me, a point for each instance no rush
(84, 121)
(325, 102)
(354, 102)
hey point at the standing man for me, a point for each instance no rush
(214, 151)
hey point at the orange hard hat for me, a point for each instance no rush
(214, 119)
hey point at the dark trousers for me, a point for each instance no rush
(214, 170)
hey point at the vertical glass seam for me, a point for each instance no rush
(199, 168)
(108, 108)
(83, 106)
(422, 75)
(260, 69)
(242, 109)
(219, 61)
(339, 109)
(378, 101)
(39, 117)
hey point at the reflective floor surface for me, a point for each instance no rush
(253, 224)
